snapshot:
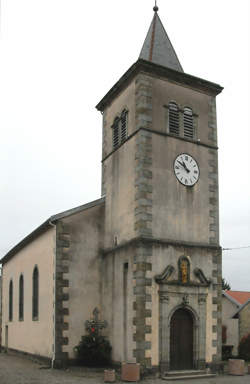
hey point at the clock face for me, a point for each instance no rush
(186, 169)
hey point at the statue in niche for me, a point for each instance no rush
(184, 271)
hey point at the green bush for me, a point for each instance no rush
(244, 348)
(94, 351)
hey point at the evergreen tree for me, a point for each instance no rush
(225, 285)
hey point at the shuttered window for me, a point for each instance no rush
(188, 122)
(120, 129)
(124, 123)
(116, 133)
(174, 120)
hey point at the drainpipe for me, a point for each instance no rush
(54, 309)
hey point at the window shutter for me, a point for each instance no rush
(188, 121)
(174, 121)
(124, 124)
(116, 133)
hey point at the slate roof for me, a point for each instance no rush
(239, 296)
(157, 46)
(48, 224)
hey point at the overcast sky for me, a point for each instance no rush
(58, 58)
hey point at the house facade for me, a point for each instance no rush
(147, 253)
(235, 317)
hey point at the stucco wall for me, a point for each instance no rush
(120, 195)
(86, 235)
(35, 337)
(118, 172)
(120, 320)
(179, 213)
(244, 321)
(232, 325)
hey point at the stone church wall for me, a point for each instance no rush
(32, 336)
(82, 260)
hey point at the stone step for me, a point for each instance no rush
(188, 377)
(186, 372)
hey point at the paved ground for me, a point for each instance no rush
(20, 370)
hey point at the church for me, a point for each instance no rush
(146, 255)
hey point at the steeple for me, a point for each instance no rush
(157, 47)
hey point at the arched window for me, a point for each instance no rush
(21, 297)
(11, 301)
(173, 120)
(120, 129)
(35, 294)
(188, 122)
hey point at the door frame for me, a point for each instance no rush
(169, 301)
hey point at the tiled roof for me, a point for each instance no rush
(240, 296)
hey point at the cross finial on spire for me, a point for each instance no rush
(156, 8)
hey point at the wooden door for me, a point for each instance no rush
(181, 340)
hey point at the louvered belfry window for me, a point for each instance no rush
(124, 123)
(120, 129)
(116, 133)
(174, 120)
(188, 122)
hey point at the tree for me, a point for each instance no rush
(225, 285)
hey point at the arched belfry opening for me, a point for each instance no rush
(181, 340)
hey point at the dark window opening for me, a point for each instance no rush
(35, 297)
(21, 297)
(11, 301)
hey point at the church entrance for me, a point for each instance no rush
(181, 340)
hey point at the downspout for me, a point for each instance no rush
(54, 309)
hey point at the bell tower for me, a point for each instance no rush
(161, 257)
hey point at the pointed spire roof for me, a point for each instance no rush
(157, 47)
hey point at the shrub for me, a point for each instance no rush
(94, 351)
(244, 348)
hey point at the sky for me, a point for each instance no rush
(58, 58)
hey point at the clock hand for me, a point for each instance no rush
(182, 164)
(186, 168)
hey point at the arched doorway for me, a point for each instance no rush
(181, 340)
